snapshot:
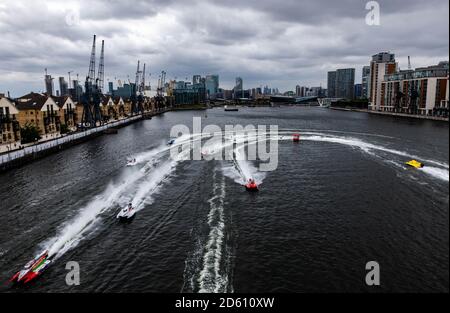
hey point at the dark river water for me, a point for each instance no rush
(340, 198)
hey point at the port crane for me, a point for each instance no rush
(136, 97)
(91, 97)
(159, 99)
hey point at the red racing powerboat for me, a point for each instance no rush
(251, 185)
(32, 269)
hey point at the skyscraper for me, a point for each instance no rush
(212, 85)
(48, 84)
(382, 64)
(331, 85)
(63, 87)
(239, 87)
(111, 88)
(196, 79)
(345, 83)
(358, 91)
(365, 82)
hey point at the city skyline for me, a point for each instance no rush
(264, 43)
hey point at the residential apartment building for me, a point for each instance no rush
(331, 85)
(382, 64)
(345, 83)
(41, 111)
(67, 111)
(341, 83)
(365, 82)
(421, 91)
(9, 125)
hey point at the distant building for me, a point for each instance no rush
(187, 93)
(421, 91)
(238, 88)
(9, 125)
(41, 111)
(124, 92)
(267, 90)
(382, 64)
(289, 93)
(314, 92)
(345, 83)
(331, 85)
(365, 85)
(49, 88)
(196, 79)
(212, 85)
(63, 87)
(358, 91)
(76, 92)
(111, 88)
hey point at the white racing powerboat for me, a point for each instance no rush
(131, 162)
(126, 214)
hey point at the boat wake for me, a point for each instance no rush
(141, 185)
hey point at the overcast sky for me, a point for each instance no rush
(280, 43)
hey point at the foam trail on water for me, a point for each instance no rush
(73, 232)
(439, 173)
(152, 184)
(212, 279)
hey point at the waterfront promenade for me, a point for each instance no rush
(403, 115)
(40, 148)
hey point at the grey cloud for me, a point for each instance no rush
(265, 42)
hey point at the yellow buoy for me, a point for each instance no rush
(415, 164)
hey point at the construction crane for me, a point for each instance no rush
(160, 91)
(142, 86)
(135, 108)
(92, 94)
(91, 73)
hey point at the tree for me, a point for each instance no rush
(29, 133)
(64, 129)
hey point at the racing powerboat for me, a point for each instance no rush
(415, 164)
(131, 162)
(126, 214)
(32, 269)
(171, 142)
(251, 186)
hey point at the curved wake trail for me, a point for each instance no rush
(74, 231)
(441, 173)
(152, 175)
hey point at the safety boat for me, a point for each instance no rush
(415, 164)
(251, 186)
(126, 214)
(32, 269)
